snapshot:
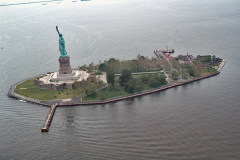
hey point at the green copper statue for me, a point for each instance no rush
(62, 50)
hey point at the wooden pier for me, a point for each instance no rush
(49, 118)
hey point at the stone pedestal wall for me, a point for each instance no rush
(65, 67)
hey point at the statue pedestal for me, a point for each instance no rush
(65, 67)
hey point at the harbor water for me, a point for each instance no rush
(197, 121)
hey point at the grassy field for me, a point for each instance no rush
(117, 90)
(207, 70)
(111, 92)
(29, 89)
(106, 93)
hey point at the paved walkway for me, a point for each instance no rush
(80, 75)
(221, 65)
(136, 73)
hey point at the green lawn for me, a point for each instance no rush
(206, 70)
(106, 93)
(139, 75)
(111, 92)
(29, 89)
(117, 90)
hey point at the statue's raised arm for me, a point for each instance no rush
(63, 52)
(57, 30)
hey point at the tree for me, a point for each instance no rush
(175, 64)
(91, 79)
(102, 67)
(125, 77)
(174, 75)
(144, 79)
(167, 66)
(191, 72)
(92, 92)
(76, 85)
(156, 80)
(130, 86)
(90, 68)
(213, 57)
(184, 74)
(208, 59)
(84, 67)
(198, 57)
(111, 78)
(138, 85)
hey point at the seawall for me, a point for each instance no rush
(73, 101)
(78, 100)
(137, 94)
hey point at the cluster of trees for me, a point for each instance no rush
(140, 64)
(90, 68)
(206, 59)
(194, 69)
(88, 86)
(172, 67)
(132, 84)
(197, 67)
(174, 75)
(183, 70)
(156, 80)
(175, 64)
(191, 70)
(111, 78)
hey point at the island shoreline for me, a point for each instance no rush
(13, 94)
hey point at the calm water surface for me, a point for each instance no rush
(196, 121)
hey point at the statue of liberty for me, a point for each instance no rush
(63, 52)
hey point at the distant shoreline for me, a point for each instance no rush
(28, 2)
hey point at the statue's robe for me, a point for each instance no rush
(62, 47)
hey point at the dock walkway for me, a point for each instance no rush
(49, 118)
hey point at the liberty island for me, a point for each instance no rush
(112, 80)
(198, 120)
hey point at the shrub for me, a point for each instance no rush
(111, 78)
(93, 92)
(156, 80)
(125, 77)
(144, 78)
(174, 75)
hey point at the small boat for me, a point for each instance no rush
(22, 101)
